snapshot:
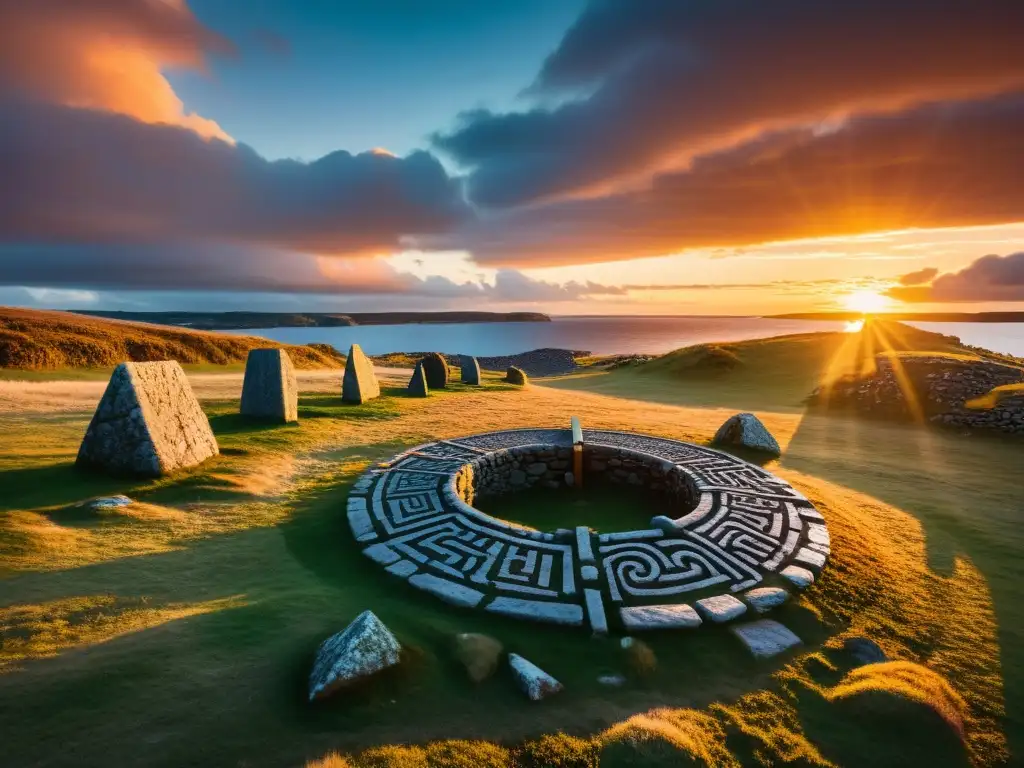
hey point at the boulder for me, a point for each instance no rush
(864, 650)
(270, 390)
(360, 382)
(147, 423)
(516, 376)
(418, 383)
(470, 369)
(479, 654)
(363, 648)
(747, 431)
(533, 681)
(435, 368)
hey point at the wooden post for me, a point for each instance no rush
(577, 452)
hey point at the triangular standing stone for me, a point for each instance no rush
(418, 383)
(470, 370)
(360, 382)
(148, 423)
(270, 390)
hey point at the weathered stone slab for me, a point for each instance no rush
(763, 599)
(589, 572)
(810, 557)
(359, 520)
(765, 638)
(363, 648)
(270, 390)
(449, 591)
(418, 383)
(382, 553)
(583, 545)
(799, 577)
(360, 382)
(536, 610)
(147, 423)
(403, 568)
(721, 608)
(645, 617)
(470, 369)
(747, 431)
(532, 680)
(595, 611)
(435, 368)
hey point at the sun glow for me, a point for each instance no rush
(867, 302)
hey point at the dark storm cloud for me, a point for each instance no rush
(665, 80)
(919, 277)
(81, 175)
(936, 165)
(990, 278)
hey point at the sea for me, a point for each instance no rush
(604, 335)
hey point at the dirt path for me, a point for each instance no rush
(47, 397)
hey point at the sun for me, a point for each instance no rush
(866, 302)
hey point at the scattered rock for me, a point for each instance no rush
(107, 502)
(270, 390)
(418, 386)
(435, 368)
(363, 648)
(613, 681)
(470, 369)
(799, 577)
(533, 681)
(763, 599)
(645, 617)
(360, 382)
(721, 608)
(478, 653)
(864, 650)
(747, 431)
(765, 638)
(147, 423)
(516, 376)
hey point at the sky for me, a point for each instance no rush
(567, 156)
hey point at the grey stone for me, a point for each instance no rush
(765, 638)
(533, 681)
(270, 390)
(517, 477)
(763, 599)
(864, 650)
(811, 557)
(418, 383)
(536, 610)
(679, 616)
(147, 423)
(470, 369)
(402, 569)
(799, 577)
(595, 611)
(435, 368)
(747, 431)
(537, 468)
(721, 608)
(449, 591)
(612, 681)
(363, 648)
(108, 502)
(360, 382)
(359, 520)
(382, 553)
(589, 572)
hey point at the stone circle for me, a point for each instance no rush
(739, 527)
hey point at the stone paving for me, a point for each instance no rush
(748, 536)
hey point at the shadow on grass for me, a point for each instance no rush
(58, 485)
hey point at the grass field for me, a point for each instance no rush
(180, 630)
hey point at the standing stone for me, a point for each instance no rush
(470, 370)
(418, 383)
(516, 376)
(363, 648)
(360, 382)
(436, 369)
(148, 423)
(747, 431)
(270, 390)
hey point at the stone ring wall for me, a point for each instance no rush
(741, 531)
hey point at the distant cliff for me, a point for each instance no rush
(222, 321)
(921, 317)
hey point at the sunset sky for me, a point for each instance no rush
(603, 157)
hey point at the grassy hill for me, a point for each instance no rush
(43, 340)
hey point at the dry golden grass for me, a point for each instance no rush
(46, 340)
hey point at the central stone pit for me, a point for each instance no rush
(730, 527)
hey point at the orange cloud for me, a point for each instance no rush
(106, 54)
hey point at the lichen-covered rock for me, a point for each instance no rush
(363, 648)
(147, 423)
(470, 369)
(533, 681)
(516, 376)
(418, 383)
(478, 653)
(747, 431)
(360, 382)
(435, 368)
(270, 390)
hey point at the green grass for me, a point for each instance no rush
(180, 631)
(602, 508)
